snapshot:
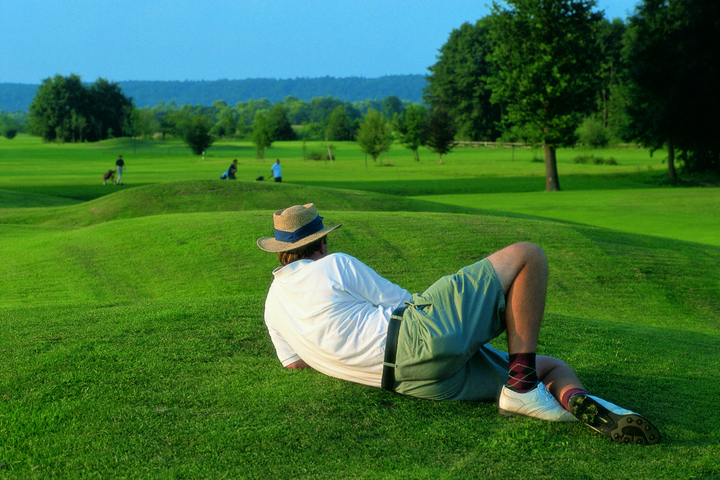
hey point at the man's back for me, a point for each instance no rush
(332, 313)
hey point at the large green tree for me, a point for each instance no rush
(109, 110)
(374, 136)
(51, 112)
(546, 59)
(66, 110)
(459, 81)
(673, 60)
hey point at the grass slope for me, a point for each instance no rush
(211, 196)
(136, 348)
(688, 214)
(11, 199)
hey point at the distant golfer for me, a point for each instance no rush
(335, 314)
(119, 166)
(232, 170)
(276, 171)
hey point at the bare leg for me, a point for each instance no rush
(523, 272)
(557, 376)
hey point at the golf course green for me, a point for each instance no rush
(132, 341)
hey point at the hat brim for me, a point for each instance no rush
(269, 244)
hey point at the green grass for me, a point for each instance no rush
(133, 343)
(11, 199)
(689, 214)
(75, 171)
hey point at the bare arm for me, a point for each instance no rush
(299, 365)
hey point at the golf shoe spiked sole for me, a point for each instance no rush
(622, 426)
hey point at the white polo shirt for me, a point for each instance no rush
(333, 314)
(276, 170)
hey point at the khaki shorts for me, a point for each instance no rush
(442, 351)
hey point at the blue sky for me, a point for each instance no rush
(231, 39)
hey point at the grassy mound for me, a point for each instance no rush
(135, 346)
(166, 389)
(199, 254)
(213, 196)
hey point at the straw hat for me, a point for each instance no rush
(295, 227)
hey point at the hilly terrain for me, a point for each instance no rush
(18, 97)
(133, 342)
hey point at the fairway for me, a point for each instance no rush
(689, 214)
(133, 343)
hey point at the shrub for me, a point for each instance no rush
(592, 133)
(320, 156)
(592, 159)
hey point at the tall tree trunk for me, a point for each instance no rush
(416, 155)
(552, 183)
(672, 174)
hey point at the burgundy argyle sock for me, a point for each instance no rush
(522, 376)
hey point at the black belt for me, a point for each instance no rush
(388, 375)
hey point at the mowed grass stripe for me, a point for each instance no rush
(689, 214)
(597, 273)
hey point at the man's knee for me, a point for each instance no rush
(512, 259)
(534, 254)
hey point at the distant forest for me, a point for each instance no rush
(15, 97)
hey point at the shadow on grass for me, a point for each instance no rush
(230, 148)
(451, 186)
(76, 192)
(660, 373)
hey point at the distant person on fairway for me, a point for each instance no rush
(331, 312)
(232, 170)
(276, 171)
(119, 166)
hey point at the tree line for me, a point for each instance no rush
(555, 72)
(16, 97)
(351, 89)
(548, 72)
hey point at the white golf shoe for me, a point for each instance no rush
(537, 403)
(616, 423)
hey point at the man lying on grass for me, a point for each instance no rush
(335, 314)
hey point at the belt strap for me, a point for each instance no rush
(388, 375)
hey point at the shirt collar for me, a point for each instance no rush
(289, 269)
